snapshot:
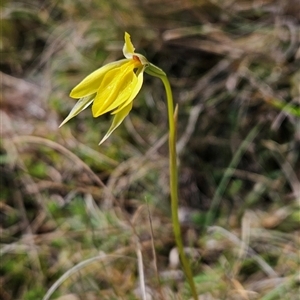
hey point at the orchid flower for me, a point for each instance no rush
(113, 87)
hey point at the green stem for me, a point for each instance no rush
(174, 186)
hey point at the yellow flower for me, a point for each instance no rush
(112, 88)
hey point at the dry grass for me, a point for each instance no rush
(84, 219)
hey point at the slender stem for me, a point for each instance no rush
(174, 186)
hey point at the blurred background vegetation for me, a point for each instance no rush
(235, 70)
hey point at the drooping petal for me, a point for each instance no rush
(124, 93)
(134, 89)
(128, 48)
(118, 119)
(113, 84)
(90, 84)
(81, 104)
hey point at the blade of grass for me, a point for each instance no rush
(76, 268)
(228, 173)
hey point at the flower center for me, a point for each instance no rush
(136, 58)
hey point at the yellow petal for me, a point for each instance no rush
(90, 84)
(124, 93)
(118, 119)
(134, 89)
(114, 83)
(128, 48)
(81, 104)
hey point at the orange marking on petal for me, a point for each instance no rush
(136, 58)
